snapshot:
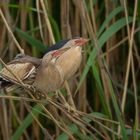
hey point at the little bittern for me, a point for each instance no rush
(59, 64)
(48, 77)
(22, 67)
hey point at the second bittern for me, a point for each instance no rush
(22, 68)
(59, 65)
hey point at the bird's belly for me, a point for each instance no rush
(48, 79)
(69, 62)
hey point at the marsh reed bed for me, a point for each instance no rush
(105, 91)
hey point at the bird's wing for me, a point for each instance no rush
(22, 67)
(14, 70)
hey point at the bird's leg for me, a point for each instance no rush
(63, 100)
(62, 97)
(56, 94)
(71, 106)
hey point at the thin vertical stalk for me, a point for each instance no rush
(10, 32)
(47, 22)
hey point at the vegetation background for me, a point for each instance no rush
(107, 85)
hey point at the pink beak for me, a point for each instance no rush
(81, 41)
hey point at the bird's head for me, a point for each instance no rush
(68, 43)
(79, 41)
(59, 48)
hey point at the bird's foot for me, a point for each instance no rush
(56, 95)
(30, 87)
(69, 108)
(39, 95)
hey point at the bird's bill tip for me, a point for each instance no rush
(81, 41)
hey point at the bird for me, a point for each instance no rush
(59, 64)
(48, 74)
(48, 77)
(21, 69)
